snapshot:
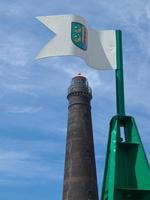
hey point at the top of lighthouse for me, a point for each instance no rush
(79, 84)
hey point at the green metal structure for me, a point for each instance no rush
(127, 171)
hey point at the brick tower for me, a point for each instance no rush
(80, 180)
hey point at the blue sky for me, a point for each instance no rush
(33, 105)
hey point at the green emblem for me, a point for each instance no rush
(79, 35)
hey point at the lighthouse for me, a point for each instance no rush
(80, 179)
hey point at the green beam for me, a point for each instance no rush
(119, 76)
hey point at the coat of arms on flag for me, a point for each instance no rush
(79, 35)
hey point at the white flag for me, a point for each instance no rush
(74, 37)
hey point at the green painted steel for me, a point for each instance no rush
(119, 76)
(127, 171)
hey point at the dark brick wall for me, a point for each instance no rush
(80, 180)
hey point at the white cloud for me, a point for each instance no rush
(22, 109)
(72, 69)
(27, 160)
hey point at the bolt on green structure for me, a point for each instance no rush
(127, 171)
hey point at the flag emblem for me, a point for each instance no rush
(79, 35)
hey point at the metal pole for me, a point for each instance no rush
(119, 76)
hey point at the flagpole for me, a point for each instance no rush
(119, 76)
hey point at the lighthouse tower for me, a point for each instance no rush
(80, 179)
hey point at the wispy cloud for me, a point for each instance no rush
(26, 161)
(23, 110)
